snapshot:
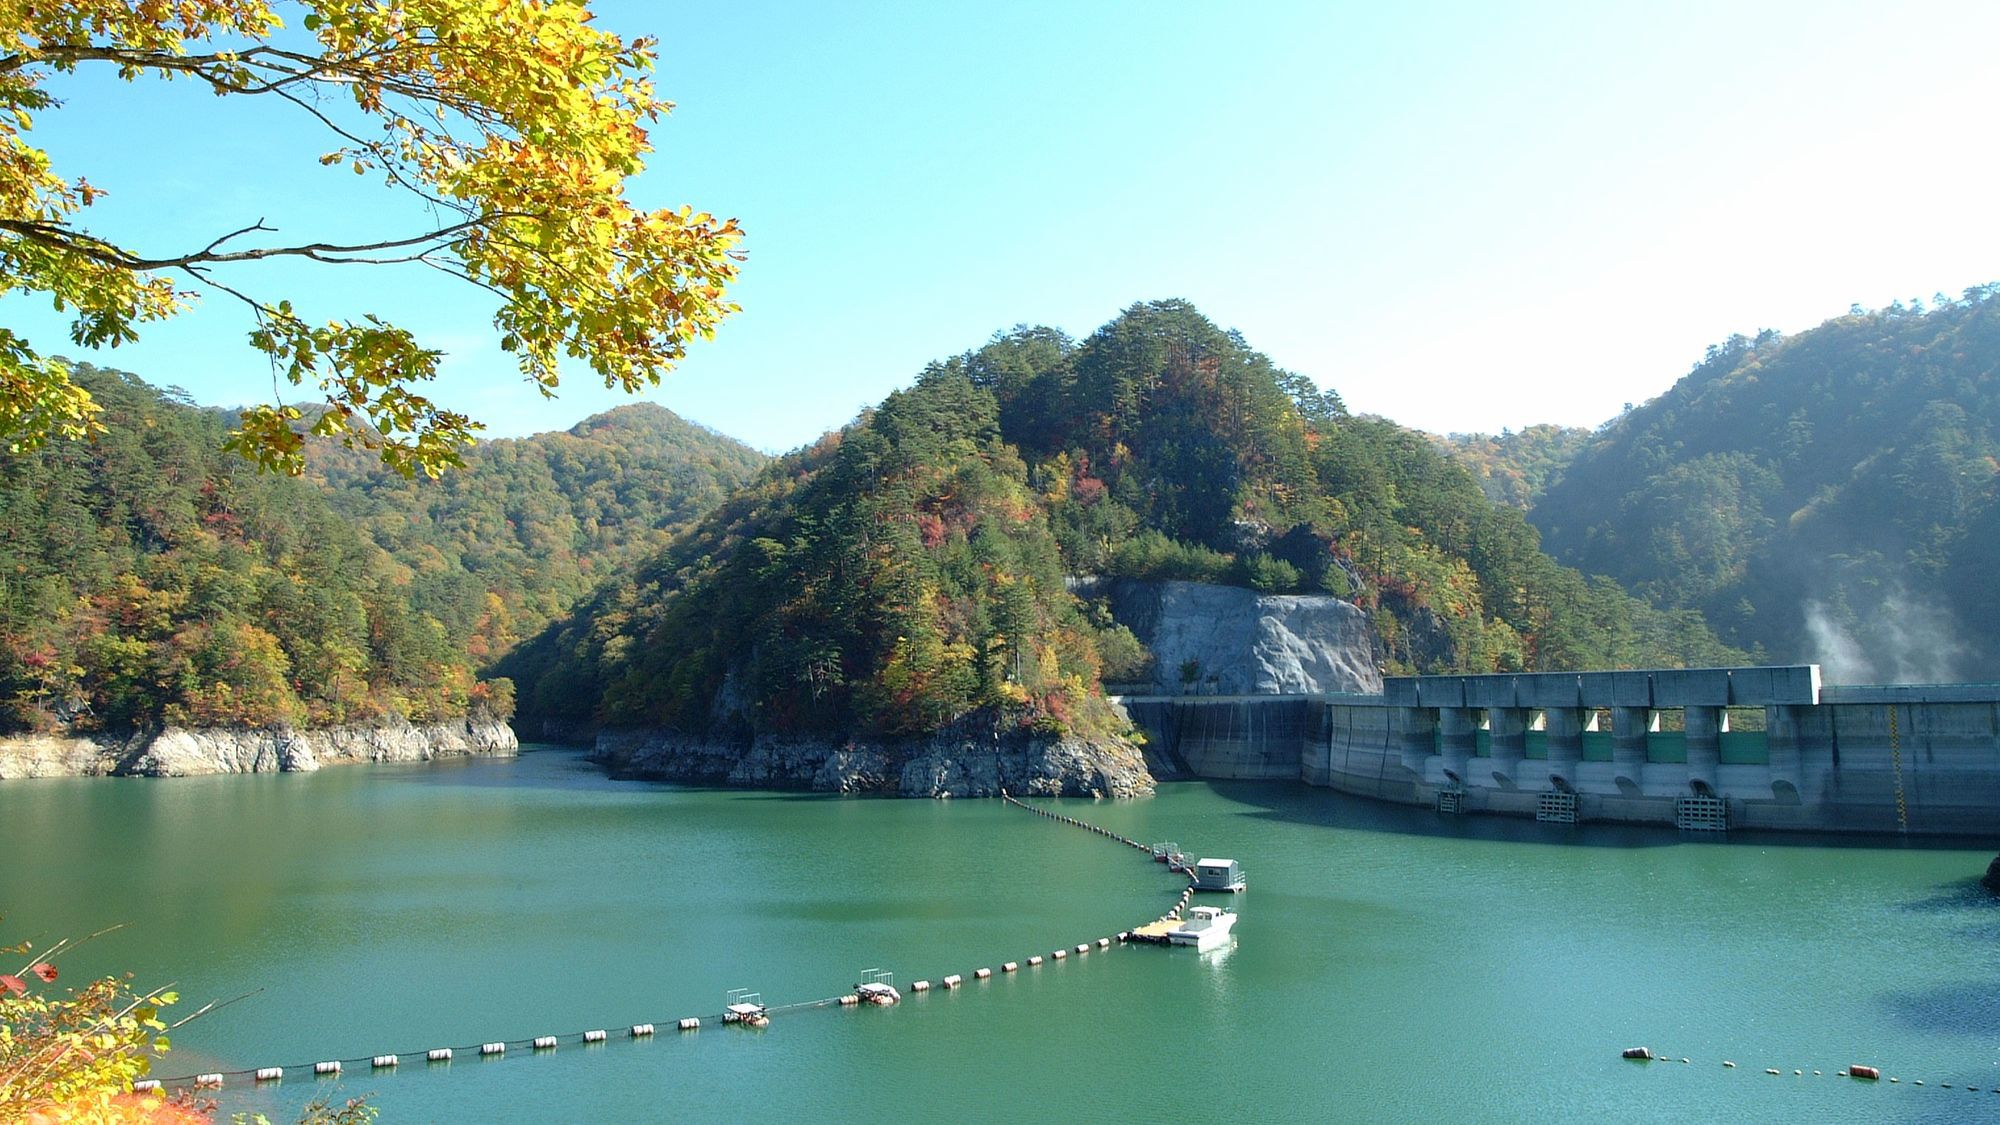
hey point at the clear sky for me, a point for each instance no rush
(1461, 216)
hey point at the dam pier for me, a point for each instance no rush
(1699, 748)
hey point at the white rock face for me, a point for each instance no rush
(1246, 643)
(180, 752)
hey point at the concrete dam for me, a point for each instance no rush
(1704, 748)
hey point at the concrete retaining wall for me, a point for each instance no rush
(1822, 764)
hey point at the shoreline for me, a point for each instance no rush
(194, 752)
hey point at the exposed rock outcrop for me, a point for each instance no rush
(1992, 880)
(965, 760)
(1239, 642)
(181, 752)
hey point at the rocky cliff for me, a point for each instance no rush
(180, 752)
(1239, 642)
(965, 760)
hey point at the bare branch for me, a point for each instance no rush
(332, 253)
(258, 225)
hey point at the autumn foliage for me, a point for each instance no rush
(506, 130)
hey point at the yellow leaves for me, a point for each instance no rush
(522, 117)
(38, 401)
(72, 1056)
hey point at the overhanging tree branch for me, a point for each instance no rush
(331, 253)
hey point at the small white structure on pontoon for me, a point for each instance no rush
(878, 986)
(1217, 875)
(745, 1006)
(1206, 928)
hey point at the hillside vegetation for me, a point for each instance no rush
(1831, 495)
(908, 570)
(1515, 467)
(496, 550)
(148, 577)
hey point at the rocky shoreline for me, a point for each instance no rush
(183, 752)
(963, 761)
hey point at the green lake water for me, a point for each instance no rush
(1391, 965)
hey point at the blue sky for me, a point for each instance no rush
(1462, 216)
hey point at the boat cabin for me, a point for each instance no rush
(1218, 875)
(1207, 928)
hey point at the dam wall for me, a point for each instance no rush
(1763, 748)
(1244, 737)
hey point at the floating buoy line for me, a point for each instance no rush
(744, 1008)
(1859, 1072)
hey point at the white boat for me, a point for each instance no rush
(1206, 928)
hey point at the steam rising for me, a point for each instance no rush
(1904, 640)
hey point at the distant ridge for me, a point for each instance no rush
(501, 547)
(1832, 495)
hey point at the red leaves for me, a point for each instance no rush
(11, 983)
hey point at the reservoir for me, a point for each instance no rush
(1390, 964)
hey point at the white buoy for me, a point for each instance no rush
(981, 974)
(1104, 943)
(1010, 966)
(146, 1086)
(326, 1068)
(640, 1030)
(849, 1000)
(1083, 948)
(380, 1061)
(493, 1048)
(544, 1042)
(920, 986)
(265, 1074)
(438, 1054)
(208, 1081)
(1035, 960)
(1060, 954)
(593, 1036)
(690, 1023)
(953, 981)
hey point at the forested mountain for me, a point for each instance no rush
(908, 570)
(1830, 495)
(149, 577)
(497, 549)
(1515, 467)
(888, 579)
